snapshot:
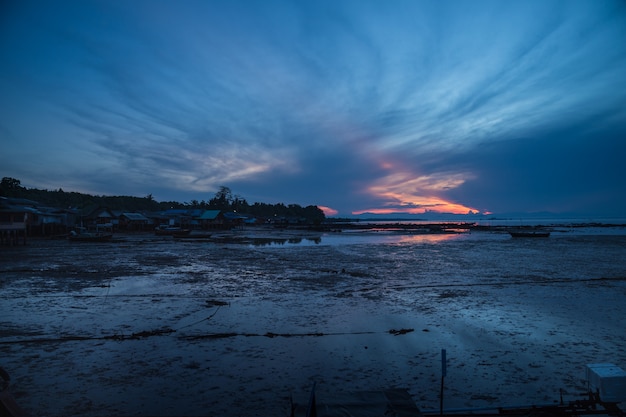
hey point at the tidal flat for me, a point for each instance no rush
(151, 326)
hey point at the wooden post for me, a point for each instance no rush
(443, 375)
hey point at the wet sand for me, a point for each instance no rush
(147, 326)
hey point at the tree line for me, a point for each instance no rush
(222, 200)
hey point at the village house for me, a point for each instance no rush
(15, 216)
(134, 222)
(53, 221)
(211, 219)
(20, 216)
(98, 217)
(235, 220)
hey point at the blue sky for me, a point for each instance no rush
(356, 106)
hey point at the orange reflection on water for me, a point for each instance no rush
(389, 236)
(427, 237)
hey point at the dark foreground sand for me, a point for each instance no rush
(149, 327)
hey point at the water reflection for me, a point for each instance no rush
(430, 238)
(286, 241)
(358, 238)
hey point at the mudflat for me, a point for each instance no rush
(147, 325)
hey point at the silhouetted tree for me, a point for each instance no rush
(223, 199)
(10, 187)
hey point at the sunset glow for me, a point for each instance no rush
(404, 192)
(361, 106)
(423, 206)
(328, 211)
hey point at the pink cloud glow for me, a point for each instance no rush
(328, 211)
(404, 192)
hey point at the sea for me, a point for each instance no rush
(150, 325)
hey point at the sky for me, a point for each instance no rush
(361, 106)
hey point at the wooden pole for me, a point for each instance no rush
(443, 375)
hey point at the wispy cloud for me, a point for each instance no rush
(354, 105)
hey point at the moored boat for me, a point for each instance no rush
(87, 236)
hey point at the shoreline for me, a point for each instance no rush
(311, 231)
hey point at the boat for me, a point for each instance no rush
(170, 231)
(83, 235)
(529, 233)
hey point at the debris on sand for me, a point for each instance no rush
(216, 303)
(399, 332)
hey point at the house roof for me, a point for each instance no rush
(234, 216)
(12, 201)
(195, 212)
(94, 212)
(18, 209)
(135, 217)
(209, 215)
(156, 215)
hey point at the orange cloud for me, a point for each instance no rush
(328, 211)
(406, 193)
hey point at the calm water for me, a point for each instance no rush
(523, 314)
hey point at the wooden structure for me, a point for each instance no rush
(11, 233)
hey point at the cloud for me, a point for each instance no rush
(353, 105)
(405, 192)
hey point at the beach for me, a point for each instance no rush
(148, 325)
